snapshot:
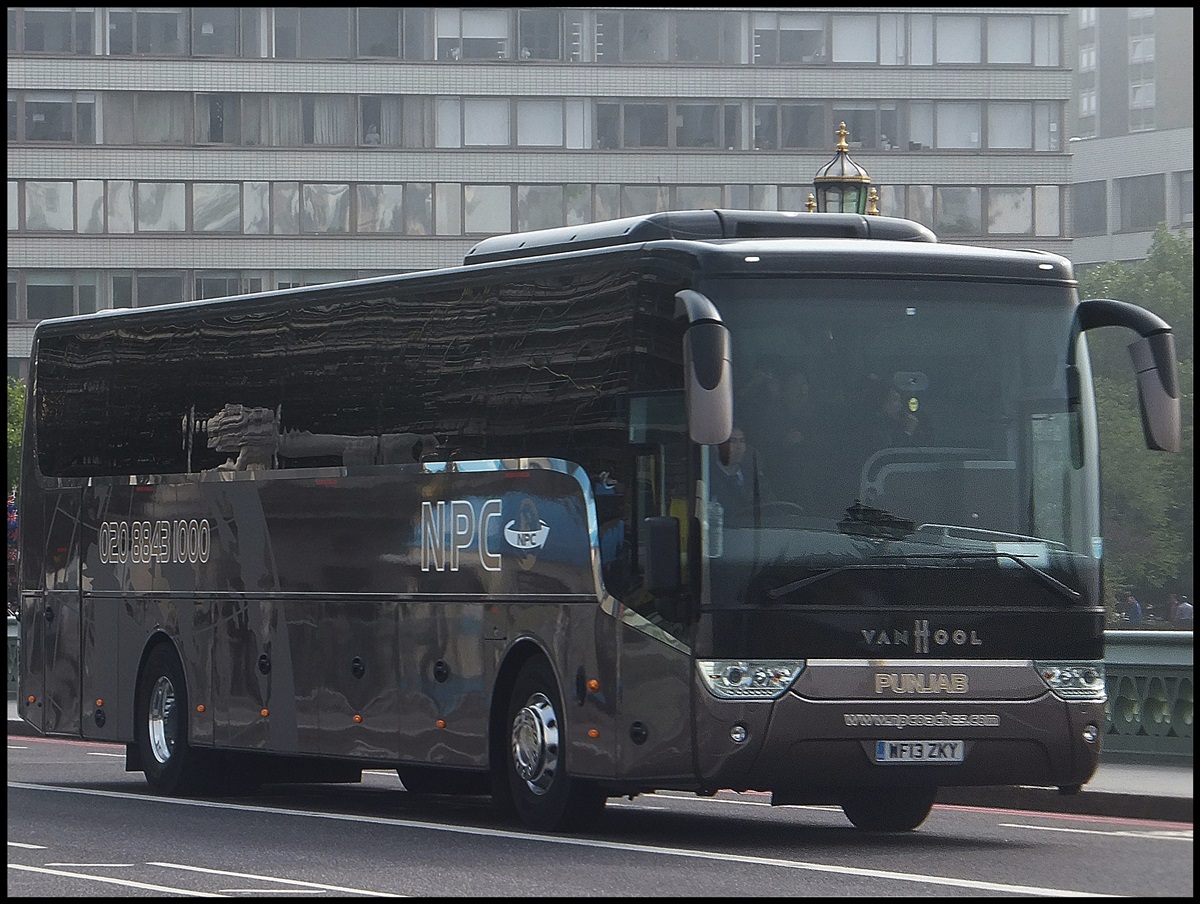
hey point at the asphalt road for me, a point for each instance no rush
(78, 824)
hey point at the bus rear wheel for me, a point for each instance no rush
(888, 811)
(535, 782)
(170, 765)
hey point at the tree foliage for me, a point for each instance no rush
(16, 422)
(1147, 496)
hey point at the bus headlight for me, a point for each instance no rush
(1073, 680)
(756, 679)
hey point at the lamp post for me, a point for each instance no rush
(842, 186)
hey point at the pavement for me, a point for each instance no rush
(1144, 787)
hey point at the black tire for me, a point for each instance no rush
(533, 781)
(171, 766)
(888, 811)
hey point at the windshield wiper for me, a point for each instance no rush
(1048, 579)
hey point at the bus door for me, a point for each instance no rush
(51, 625)
(654, 705)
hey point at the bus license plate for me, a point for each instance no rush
(919, 751)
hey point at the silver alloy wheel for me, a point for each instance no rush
(535, 743)
(162, 719)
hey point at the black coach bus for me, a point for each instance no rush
(469, 524)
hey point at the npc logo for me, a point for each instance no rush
(527, 533)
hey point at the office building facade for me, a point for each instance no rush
(1131, 128)
(167, 154)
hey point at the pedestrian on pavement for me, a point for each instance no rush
(1133, 611)
(1183, 614)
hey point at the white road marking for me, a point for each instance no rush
(892, 875)
(295, 883)
(1120, 833)
(108, 880)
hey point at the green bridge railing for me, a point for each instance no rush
(1148, 673)
(1150, 692)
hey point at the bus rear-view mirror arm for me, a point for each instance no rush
(1154, 364)
(708, 378)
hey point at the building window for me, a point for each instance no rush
(1010, 39)
(328, 120)
(379, 31)
(57, 31)
(958, 125)
(1047, 210)
(472, 34)
(216, 207)
(644, 37)
(161, 207)
(380, 209)
(641, 199)
(855, 39)
(50, 206)
(146, 118)
(645, 126)
(1089, 208)
(57, 293)
(160, 32)
(325, 209)
(698, 37)
(315, 33)
(1047, 41)
(60, 116)
(1010, 125)
(540, 123)
(1010, 210)
(539, 34)
(218, 119)
(487, 209)
(958, 39)
(957, 211)
(486, 122)
(256, 208)
(789, 38)
(215, 31)
(221, 284)
(697, 197)
(158, 287)
(1185, 198)
(1142, 201)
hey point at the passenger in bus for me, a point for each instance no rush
(894, 421)
(734, 478)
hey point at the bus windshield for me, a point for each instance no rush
(901, 440)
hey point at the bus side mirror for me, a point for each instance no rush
(1153, 362)
(1158, 390)
(660, 556)
(707, 377)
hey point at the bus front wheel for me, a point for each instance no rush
(535, 781)
(171, 766)
(888, 811)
